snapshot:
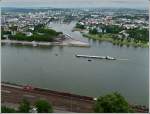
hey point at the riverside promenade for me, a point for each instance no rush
(61, 101)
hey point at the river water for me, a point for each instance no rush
(40, 67)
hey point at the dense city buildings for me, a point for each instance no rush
(116, 23)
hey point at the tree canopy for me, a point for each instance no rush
(93, 31)
(24, 106)
(43, 106)
(40, 33)
(80, 26)
(139, 34)
(113, 29)
(112, 103)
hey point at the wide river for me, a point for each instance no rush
(40, 67)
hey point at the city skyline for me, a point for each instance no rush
(77, 3)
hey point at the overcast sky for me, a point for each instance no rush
(76, 3)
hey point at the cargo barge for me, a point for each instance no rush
(96, 57)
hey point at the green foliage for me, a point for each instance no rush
(126, 16)
(5, 109)
(68, 18)
(42, 35)
(113, 29)
(100, 35)
(80, 26)
(39, 26)
(48, 32)
(13, 28)
(112, 103)
(93, 31)
(24, 106)
(43, 106)
(4, 33)
(114, 36)
(19, 36)
(139, 34)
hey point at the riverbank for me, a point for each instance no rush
(67, 101)
(13, 93)
(69, 42)
(107, 37)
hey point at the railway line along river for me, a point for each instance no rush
(40, 67)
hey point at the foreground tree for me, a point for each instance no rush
(43, 106)
(5, 109)
(24, 106)
(112, 103)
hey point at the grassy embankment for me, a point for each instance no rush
(108, 37)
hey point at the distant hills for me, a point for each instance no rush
(35, 9)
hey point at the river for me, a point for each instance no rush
(40, 67)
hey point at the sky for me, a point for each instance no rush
(76, 3)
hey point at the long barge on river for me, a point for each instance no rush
(96, 57)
